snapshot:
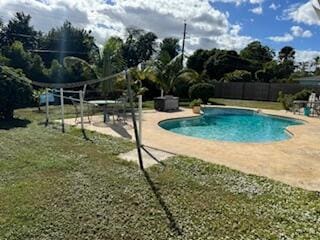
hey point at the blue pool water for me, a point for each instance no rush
(232, 125)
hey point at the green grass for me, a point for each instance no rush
(247, 103)
(228, 102)
(150, 104)
(60, 186)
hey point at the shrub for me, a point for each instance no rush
(196, 102)
(15, 92)
(287, 99)
(202, 91)
(263, 76)
(238, 76)
(303, 95)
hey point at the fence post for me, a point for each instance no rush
(81, 109)
(140, 118)
(47, 107)
(62, 109)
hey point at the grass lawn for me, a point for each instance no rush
(60, 186)
(247, 103)
(229, 102)
(150, 104)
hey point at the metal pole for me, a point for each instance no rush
(81, 109)
(62, 109)
(133, 115)
(47, 107)
(140, 118)
(183, 41)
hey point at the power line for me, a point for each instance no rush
(62, 85)
(39, 37)
(56, 51)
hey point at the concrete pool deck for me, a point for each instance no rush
(295, 161)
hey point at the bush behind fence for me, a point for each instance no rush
(258, 91)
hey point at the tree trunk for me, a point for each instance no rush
(8, 115)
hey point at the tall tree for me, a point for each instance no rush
(167, 75)
(139, 46)
(257, 52)
(15, 91)
(198, 59)
(223, 62)
(1, 33)
(169, 48)
(31, 64)
(287, 53)
(110, 63)
(68, 40)
(112, 53)
(20, 29)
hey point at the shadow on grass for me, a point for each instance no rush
(173, 225)
(85, 136)
(14, 123)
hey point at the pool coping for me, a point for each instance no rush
(295, 161)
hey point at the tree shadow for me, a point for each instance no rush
(85, 136)
(173, 225)
(14, 123)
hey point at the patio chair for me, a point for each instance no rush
(76, 106)
(313, 103)
(120, 110)
(316, 108)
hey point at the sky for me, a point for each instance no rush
(227, 24)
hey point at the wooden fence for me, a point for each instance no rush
(258, 91)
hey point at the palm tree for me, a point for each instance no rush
(167, 75)
(110, 62)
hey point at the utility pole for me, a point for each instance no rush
(183, 41)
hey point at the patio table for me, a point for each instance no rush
(103, 103)
(298, 104)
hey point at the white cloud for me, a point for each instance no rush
(274, 6)
(296, 31)
(239, 2)
(302, 13)
(306, 55)
(287, 37)
(207, 27)
(256, 1)
(257, 10)
(299, 32)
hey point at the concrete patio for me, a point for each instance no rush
(295, 161)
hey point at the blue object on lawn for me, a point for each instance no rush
(43, 97)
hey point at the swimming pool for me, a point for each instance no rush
(232, 125)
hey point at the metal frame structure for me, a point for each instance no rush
(62, 86)
(137, 127)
